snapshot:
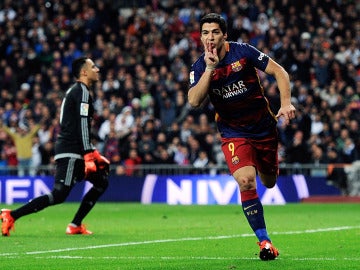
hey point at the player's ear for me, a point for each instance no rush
(83, 71)
(225, 36)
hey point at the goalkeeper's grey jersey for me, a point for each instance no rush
(77, 110)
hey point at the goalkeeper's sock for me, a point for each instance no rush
(33, 206)
(254, 213)
(86, 205)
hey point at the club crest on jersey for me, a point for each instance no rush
(84, 109)
(236, 66)
(235, 160)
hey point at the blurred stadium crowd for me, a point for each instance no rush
(145, 49)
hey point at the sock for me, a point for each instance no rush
(254, 213)
(86, 205)
(33, 206)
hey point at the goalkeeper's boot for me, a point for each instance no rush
(267, 251)
(8, 222)
(73, 229)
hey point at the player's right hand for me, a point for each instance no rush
(211, 58)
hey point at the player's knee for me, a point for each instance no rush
(269, 182)
(58, 196)
(246, 183)
(101, 186)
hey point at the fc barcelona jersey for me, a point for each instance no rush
(235, 91)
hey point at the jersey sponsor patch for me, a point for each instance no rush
(84, 109)
(192, 77)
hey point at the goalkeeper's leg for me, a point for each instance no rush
(100, 183)
(56, 196)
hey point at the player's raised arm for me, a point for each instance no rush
(198, 92)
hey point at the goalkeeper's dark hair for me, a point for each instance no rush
(77, 65)
(214, 18)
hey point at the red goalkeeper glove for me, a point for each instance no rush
(101, 161)
(90, 166)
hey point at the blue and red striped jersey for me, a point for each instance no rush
(236, 93)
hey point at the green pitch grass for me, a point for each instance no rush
(135, 236)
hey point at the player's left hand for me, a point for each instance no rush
(287, 112)
(100, 160)
(102, 165)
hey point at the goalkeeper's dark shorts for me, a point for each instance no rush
(69, 171)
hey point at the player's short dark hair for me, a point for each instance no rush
(214, 18)
(77, 64)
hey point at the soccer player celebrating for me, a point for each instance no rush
(227, 74)
(75, 155)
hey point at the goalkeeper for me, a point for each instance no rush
(76, 157)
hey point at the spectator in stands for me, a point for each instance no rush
(23, 141)
(181, 154)
(354, 131)
(117, 103)
(9, 154)
(317, 126)
(110, 85)
(147, 144)
(108, 123)
(297, 152)
(163, 156)
(194, 148)
(202, 161)
(185, 131)
(341, 139)
(317, 155)
(9, 80)
(336, 174)
(124, 121)
(7, 13)
(111, 147)
(132, 162)
(167, 111)
(349, 152)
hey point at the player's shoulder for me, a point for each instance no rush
(199, 62)
(240, 45)
(248, 51)
(75, 89)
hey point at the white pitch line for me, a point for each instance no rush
(177, 240)
(187, 258)
(319, 230)
(145, 258)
